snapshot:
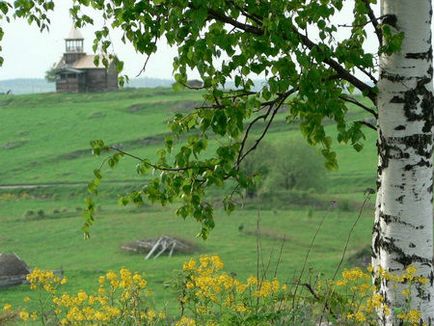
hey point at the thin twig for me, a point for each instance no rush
(374, 21)
(316, 296)
(257, 257)
(352, 100)
(279, 101)
(330, 293)
(332, 205)
(367, 124)
(265, 271)
(279, 259)
(144, 65)
(148, 56)
(156, 167)
(258, 140)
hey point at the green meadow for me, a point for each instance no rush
(46, 163)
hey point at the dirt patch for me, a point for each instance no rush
(137, 108)
(265, 234)
(186, 106)
(23, 133)
(97, 115)
(13, 145)
(75, 154)
(140, 107)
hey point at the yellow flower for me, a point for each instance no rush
(240, 308)
(185, 321)
(275, 285)
(411, 271)
(111, 276)
(49, 288)
(151, 314)
(92, 300)
(364, 287)
(100, 316)
(26, 299)
(204, 261)
(114, 283)
(101, 291)
(140, 282)
(341, 283)
(24, 315)
(190, 265)
(386, 310)
(252, 280)
(406, 292)
(125, 273)
(217, 262)
(359, 316)
(113, 312)
(7, 307)
(240, 287)
(422, 280)
(353, 274)
(413, 316)
(82, 296)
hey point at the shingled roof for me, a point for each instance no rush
(84, 62)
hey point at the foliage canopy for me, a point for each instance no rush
(308, 66)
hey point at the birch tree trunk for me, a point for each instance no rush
(403, 229)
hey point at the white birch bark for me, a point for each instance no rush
(403, 230)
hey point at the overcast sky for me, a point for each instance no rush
(28, 53)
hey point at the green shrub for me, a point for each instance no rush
(284, 167)
(296, 166)
(29, 213)
(257, 166)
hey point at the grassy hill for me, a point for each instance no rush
(46, 162)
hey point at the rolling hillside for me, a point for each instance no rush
(46, 162)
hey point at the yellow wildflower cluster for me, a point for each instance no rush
(206, 289)
(412, 317)
(209, 296)
(366, 302)
(121, 298)
(46, 280)
(185, 321)
(408, 276)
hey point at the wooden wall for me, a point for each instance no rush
(71, 84)
(93, 80)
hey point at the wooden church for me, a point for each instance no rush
(76, 71)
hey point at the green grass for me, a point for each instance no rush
(45, 139)
(57, 243)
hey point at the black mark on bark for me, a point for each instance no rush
(420, 55)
